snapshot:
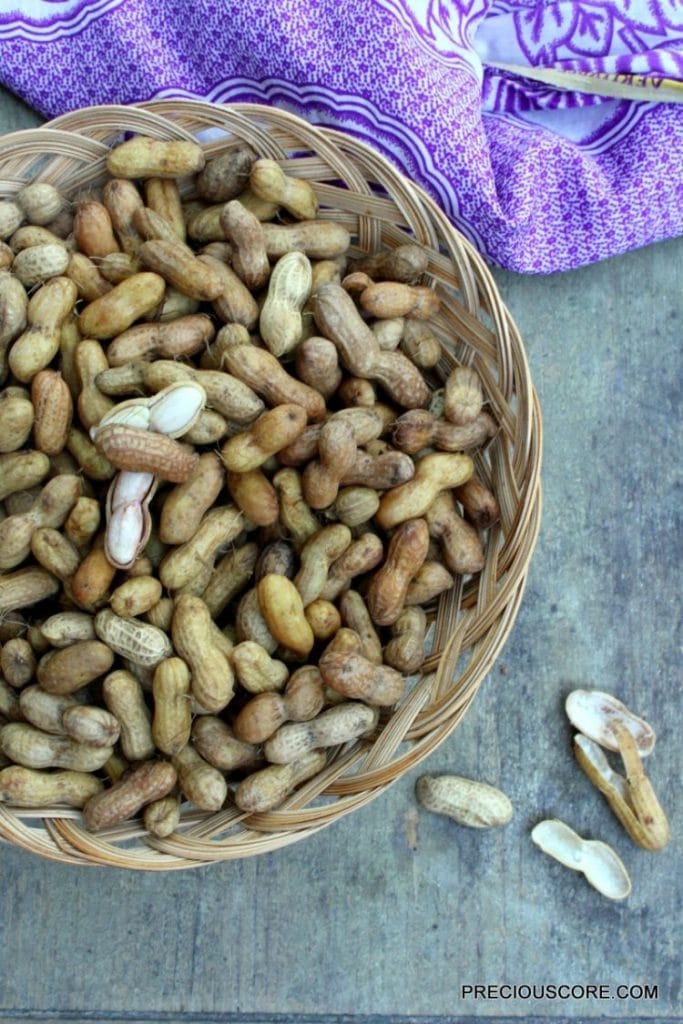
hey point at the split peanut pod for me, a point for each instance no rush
(602, 868)
(594, 713)
(632, 799)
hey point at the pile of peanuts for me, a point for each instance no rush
(231, 483)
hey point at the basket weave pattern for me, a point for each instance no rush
(471, 623)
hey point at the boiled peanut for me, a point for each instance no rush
(318, 239)
(337, 725)
(479, 503)
(178, 265)
(30, 787)
(271, 432)
(144, 784)
(123, 696)
(267, 788)
(216, 531)
(135, 596)
(16, 420)
(256, 670)
(53, 411)
(163, 196)
(225, 176)
(67, 628)
(39, 263)
(13, 315)
(140, 451)
(17, 662)
(295, 514)
(199, 781)
(463, 397)
(175, 339)
(114, 312)
(283, 611)
(25, 587)
(50, 508)
(55, 552)
(264, 373)
(143, 157)
(218, 745)
(255, 496)
(301, 700)
(430, 580)
(317, 555)
(71, 668)
(406, 650)
(388, 588)
(281, 323)
(246, 236)
(433, 473)
(172, 719)
(91, 725)
(212, 680)
(162, 816)
(138, 641)
(229, 577)
(40, 201)
(47, 310)
(476, 804)
(28, 746)
(345, 669)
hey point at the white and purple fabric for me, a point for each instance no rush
(550, 132)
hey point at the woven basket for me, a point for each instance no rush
(381, 208)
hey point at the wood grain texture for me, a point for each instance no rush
(388, 913)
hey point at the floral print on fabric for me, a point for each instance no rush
(502, 109)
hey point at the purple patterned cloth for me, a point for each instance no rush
(551, 133)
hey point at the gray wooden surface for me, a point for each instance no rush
(389, 913)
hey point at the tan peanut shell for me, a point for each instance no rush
(115, 311)
(217, 744)
(53, 409)
(336, 725)
(16, 420)
(345, 669)
(145, 783)
(212, 680)
(199, 781)
(433, 473)
(140, 451)
(266, 789)
(124, 698)
(91, 725)
(25, 587)
(261, 370)
(172, 718)
(143, 157)
(162, 195)
(21, 471)
(283, 611)
(28, 746)
(271, 432)
(69, 669)
(17, 662)
(389, 586)
(30, 787)
(138, 641)
(37, 346)
(466, 801)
